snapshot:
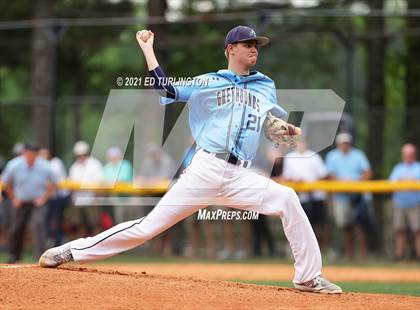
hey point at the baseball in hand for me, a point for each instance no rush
(143, 35)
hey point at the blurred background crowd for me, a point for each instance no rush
(60, 59)
(32, 197)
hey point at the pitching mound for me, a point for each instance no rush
(31, 287)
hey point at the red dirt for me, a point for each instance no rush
(31, 287)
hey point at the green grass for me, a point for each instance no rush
(363, 287)
(131, 257)
(141, 257)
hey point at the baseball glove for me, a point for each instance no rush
(280, 132)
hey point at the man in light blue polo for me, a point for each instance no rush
(406, 204)
(347, 163)
(29, 182)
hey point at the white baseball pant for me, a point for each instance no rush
(210, 180)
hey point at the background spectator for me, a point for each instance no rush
(193, 223)
(5, 203)
(85, 169)
(270, 163)
(406, 204)
(58, 202)
(304, 165)
(350, 164)
(118, 169)
(29, 182)
(156, 167)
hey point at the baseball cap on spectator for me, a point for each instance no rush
(31, 146)
(81, 148)
(343, 137)
(244, 33)
(113, 152)
(18, 149)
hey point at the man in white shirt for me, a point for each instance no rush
(304, 165)
(89, 170)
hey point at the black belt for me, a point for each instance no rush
(232, 159)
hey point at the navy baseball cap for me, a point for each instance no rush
(244, 33)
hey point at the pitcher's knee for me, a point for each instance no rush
(291, 199)
(285, 193)
(291, 193)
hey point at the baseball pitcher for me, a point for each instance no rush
(226, 118)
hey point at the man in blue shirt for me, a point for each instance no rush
(406, 204)
(29, 182)
(226, 115)
(349, 164)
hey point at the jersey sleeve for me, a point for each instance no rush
(184, 89)
(276, 110)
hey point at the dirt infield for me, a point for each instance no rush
(30, 287)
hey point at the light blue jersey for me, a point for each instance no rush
(227, 111)
(405, 171)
